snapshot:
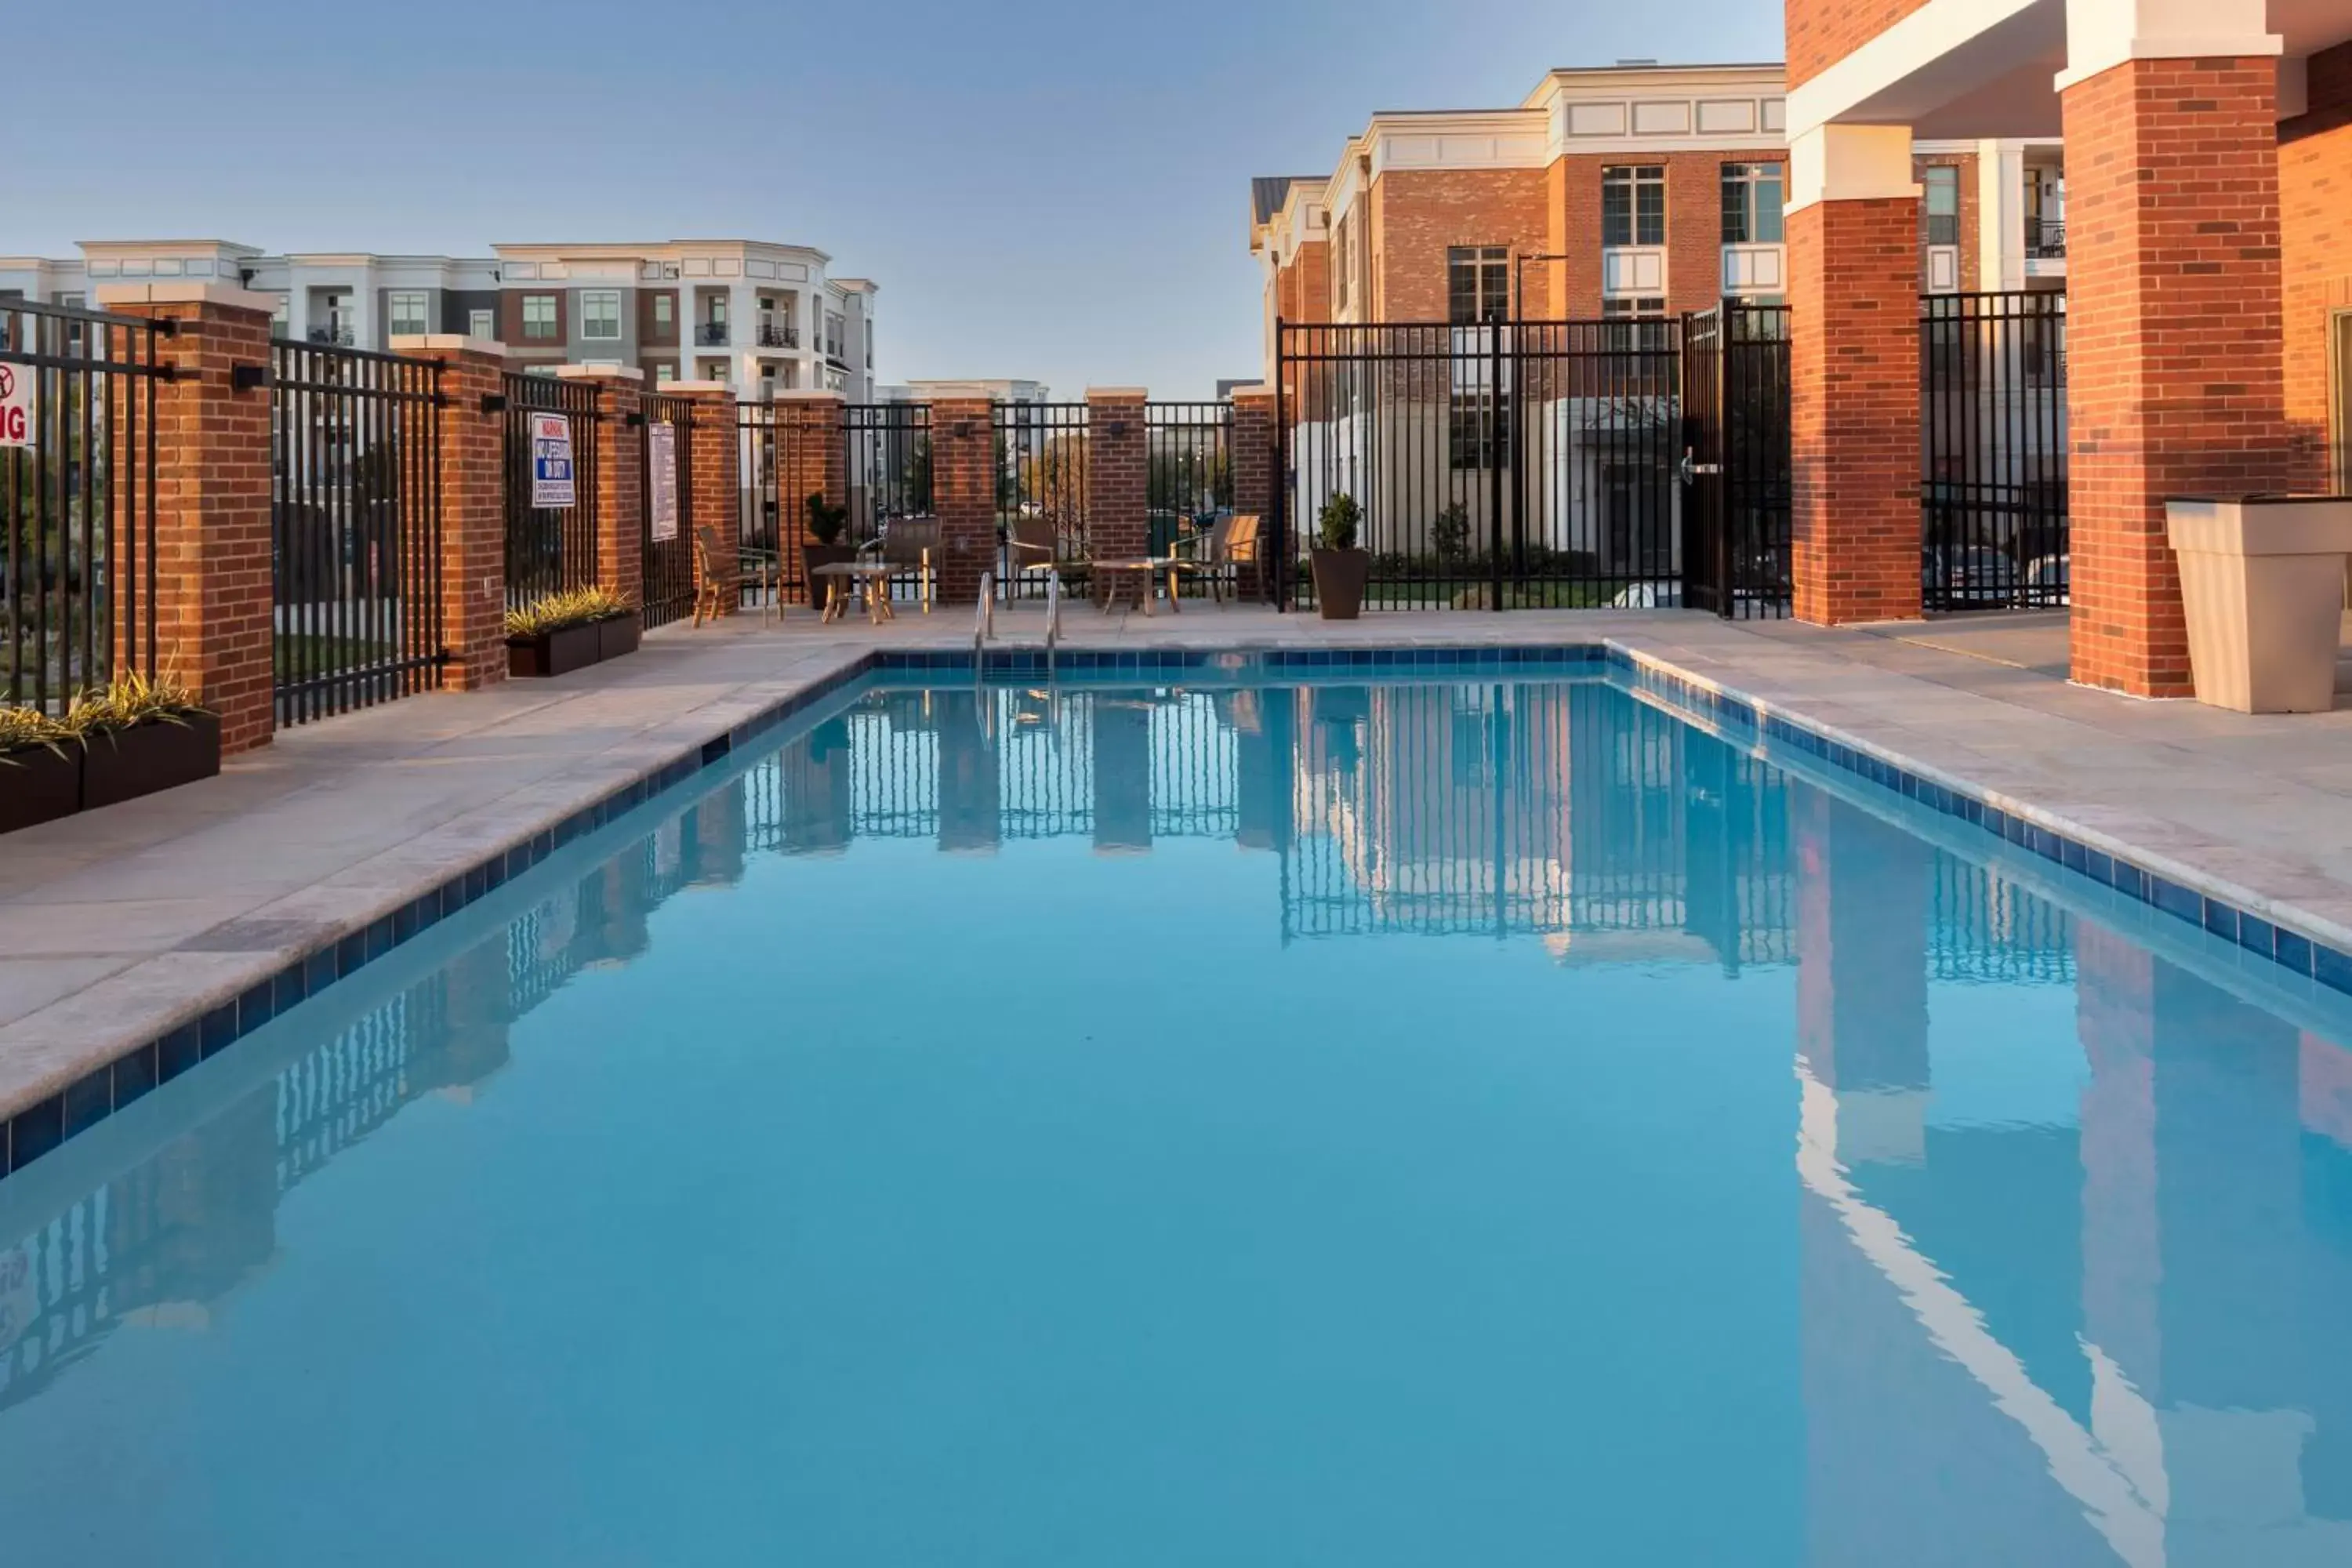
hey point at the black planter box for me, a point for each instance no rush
(619, 635)
(555, 653)
(123, 765)
(39, 786)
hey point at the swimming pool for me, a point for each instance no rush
(1387, 1117)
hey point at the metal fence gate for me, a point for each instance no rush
(1041, 491)
(355, 520)
(1188, 478)
(550, 549)
(1738, 468)
(1496, 464)
(667, 512)
(886, 456)
(77, 501)
(1993, 496)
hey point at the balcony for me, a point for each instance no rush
(2045, 240)
(711, 335)
(833, 353)
(336, 337)
(775, 337)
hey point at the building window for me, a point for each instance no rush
(1343, 262)
(1752, 203)
(1634, 206)
(1477, 283)
(538, 317)
(600, 314)
(1645, 328)
(1943, 183)
(405, 314)
(665, 314)
(1477, 435)
(482, 325)
(663, 374)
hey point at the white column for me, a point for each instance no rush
(2000, 214)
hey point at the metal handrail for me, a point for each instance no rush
(1052, 617)
(985, 627)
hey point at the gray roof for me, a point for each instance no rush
(1268, 192)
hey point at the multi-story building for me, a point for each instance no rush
(1629, 191)
(762, 317)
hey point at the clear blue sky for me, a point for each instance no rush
(1055, 189)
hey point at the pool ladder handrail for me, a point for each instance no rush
(985, 627)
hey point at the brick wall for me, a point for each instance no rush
(1421, 214)
(718, 494)
(1117, 445)
(1693, 227)
(473, 519)
(1824, 32)
(1854, 269)
(2175, 380)
(2316, 248)
(963, 493)
(215, 595)
(809, 461)
(621, 490)
(1255, 467)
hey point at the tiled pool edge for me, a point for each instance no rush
(2316, 952)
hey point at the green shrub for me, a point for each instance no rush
(825, 522)
(1336, 529)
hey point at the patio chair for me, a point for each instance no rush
(710, 592)
(1034, 548)
(1217, 554)
(907, 543)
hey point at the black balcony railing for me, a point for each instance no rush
(775, 337)
(2045, 239)
(711, 335)
(337, 337)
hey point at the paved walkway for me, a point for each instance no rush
(117, 925)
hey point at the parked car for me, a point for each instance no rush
(1974, 576)
(2048, 581)
(1658, 594)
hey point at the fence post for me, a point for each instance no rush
(215, 588)
(473, 432)
(620, 478)
(1253, 460)
(812, 462)
(1118, 523)
(964, 490)
(718, 499)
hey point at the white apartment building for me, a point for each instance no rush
(762, 317)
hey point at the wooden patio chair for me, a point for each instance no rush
(1218, 555)
(710, 592)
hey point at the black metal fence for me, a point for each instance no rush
(1188, 471)
(355, 527)
(77, 501)
(669, 509)
(1495, 464)
(1041, 491)
(1737, 472)
(550, 547)
(760, 508)
(885, 455)
(1994, 506)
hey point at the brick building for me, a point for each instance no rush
(763, 318)
(2210, 154)
(1634, 190)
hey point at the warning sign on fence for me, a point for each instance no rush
(550, 461)
(661, 476)
(15, 405)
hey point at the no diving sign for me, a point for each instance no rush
(550, 461)
(15, 405)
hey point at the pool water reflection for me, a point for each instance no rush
(1456, 1121)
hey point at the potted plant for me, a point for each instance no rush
(558, 633)
(140, 735)
(1340, 569)
(826, 524)
(40, 769)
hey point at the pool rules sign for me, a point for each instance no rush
(661, 473)
(550, 461)
(15, 405)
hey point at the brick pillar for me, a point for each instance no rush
(717, 499)
(1117, 481)
(216, 593)
(809, 461)
(1853, 362)
(620, 479)
(963, 491)
(473, 507)
(1257, 460)
(2176, 382)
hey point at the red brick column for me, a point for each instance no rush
(1257, 471)
(718, 499)
(963, 491)
(620, 481)
(473, 507)
(1854, 363)
(215, 592)
(2175, 316)
(1118, 482)
(809, 461)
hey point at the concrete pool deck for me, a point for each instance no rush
(119, 926)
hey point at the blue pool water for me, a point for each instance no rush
(1466, 1121)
